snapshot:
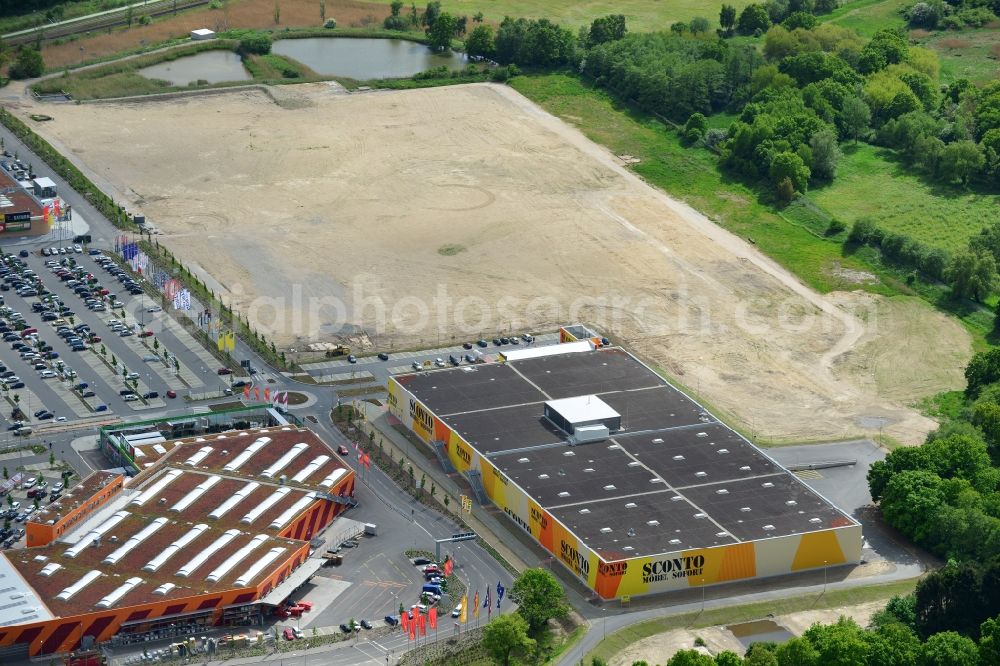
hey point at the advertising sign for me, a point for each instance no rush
(20, 216)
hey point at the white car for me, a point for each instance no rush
(130, 397)
(46, 374)
(133, 375)
(78, 249)
(155, 308)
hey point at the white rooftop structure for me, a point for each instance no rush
(19, 603)
(44, 182)
(202, 33)
(582, 409)
(547, 350)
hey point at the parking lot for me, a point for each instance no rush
(24, 492)
(78, 349)
(378, 368)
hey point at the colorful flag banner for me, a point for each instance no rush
(404, 619)
(422, 624)
(500, 590)
(449, 566)
(256, 394)
(413, 630)
(432, 617)
(488, 605)
(475, 606)
(246, 391)
(464, 616)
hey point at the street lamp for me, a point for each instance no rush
(824, 577)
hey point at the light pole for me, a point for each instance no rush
(604, 622)
(703, 595)
(824, 577)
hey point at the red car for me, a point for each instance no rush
(224, 371)
(288, 634)
(95, 338)
(145, 334)
(171, 394)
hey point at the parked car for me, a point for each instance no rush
(150, 395)
(392, 620)
(171, 394)
(365, 624)
(288, 634)
(383, 356)
(342, 450)
(101, 408)
(224, 371)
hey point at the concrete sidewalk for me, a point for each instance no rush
(480, 520)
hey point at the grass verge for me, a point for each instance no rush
(621, 639)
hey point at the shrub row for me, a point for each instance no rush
(900, 249)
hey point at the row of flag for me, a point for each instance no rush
(182, 300)
(419, 622)
(49, 210)
(226, 341)
(277, 398)
(365, 459)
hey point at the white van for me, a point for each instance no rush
(457, 612)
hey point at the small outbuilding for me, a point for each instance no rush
(202, 33)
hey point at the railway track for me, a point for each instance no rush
(102, 21)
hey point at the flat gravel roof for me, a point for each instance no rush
(673, 478)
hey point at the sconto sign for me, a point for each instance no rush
(678, 567)
(574, 558)
(421, 416)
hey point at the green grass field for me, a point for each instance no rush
(870, 183)
(868, 16)
(692, 175)
(969, 54)
(640, 15)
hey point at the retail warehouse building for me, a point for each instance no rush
(631, 485)
(214, 529)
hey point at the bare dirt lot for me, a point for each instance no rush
(450, 213)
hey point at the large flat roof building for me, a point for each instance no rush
(202, 536)
(656, 494)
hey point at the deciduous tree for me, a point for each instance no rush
(506, 636)
(539, 597)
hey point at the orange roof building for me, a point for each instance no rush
(215, 531)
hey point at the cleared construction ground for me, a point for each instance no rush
(444, 214)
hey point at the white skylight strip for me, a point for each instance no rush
(134, 541)
(202, 453)
(292, 511)
(87, 579)
(50, 569)
(256, 512)
(310, 469)
(80, 545)
(197, 492)
(329, 481)
(240, 495)
(258, 566)
(284, 460)
(170, 550)
(155, 489)
(235, 558)
(203, 556)
(239, 460)
(123, 589)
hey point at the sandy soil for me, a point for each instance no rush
(659, 648)
(441, 214)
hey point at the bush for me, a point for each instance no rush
(256, 43)
(501, 74)
(976, 17)
(145, 19)
(330, 23)
(28, 65)
(835, 227)
(395, 23)
(440, 72)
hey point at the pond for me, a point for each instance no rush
(211, 66)
(364, 59)
(759, 631)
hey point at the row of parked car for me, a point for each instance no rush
(120, 274)
(56, 251)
